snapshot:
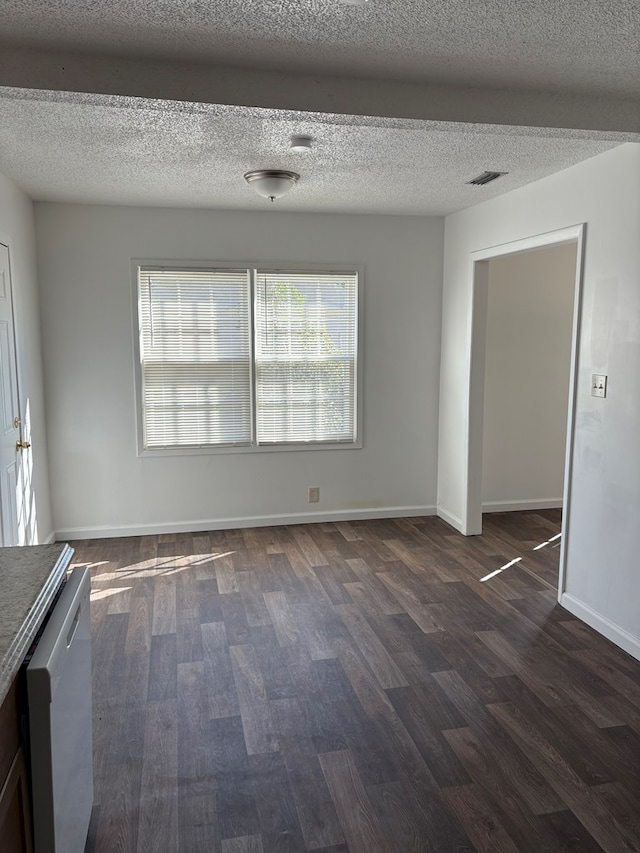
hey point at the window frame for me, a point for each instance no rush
(253, 447)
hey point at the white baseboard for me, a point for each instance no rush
(247, 521)
(453, 520)
(602, 625)
(515, 506)
(51, 538)
(502, 506)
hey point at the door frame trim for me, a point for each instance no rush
(472, 522)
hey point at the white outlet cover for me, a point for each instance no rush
(598, 385)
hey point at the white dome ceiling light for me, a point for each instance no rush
(272, 183)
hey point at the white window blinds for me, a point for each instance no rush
(195, 353)
(306, 346)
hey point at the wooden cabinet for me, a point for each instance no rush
(15, 827)
(15, 815)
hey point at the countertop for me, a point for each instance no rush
(29, 578)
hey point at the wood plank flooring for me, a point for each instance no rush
(365, 687)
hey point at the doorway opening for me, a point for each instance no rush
(522, 380)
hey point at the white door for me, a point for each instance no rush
(10, 409)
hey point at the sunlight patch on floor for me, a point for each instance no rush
(501, 569)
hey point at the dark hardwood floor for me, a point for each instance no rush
(369, 687)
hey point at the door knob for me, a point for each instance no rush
(23, 445)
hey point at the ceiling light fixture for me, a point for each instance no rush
(301, 143)
(272, 183)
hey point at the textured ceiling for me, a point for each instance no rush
(575, 45)
(107, 149)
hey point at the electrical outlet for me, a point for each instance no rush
(314, 494)
(598, 385)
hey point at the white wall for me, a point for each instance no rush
(17, 231)
(101, 487)
(526, 387)
(602, 581)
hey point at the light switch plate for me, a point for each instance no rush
(598, 385)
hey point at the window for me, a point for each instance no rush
(244, 357)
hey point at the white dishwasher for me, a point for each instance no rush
(59, 695)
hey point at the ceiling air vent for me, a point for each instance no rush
(486, 178)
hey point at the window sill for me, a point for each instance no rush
(247, 449)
